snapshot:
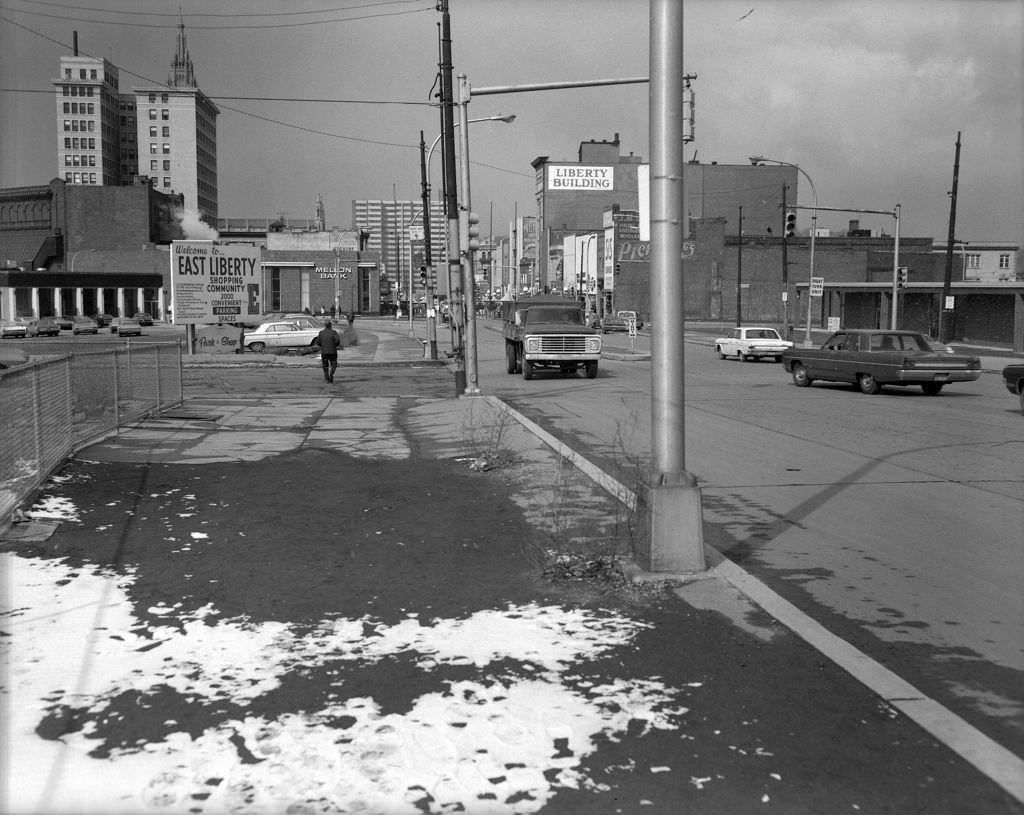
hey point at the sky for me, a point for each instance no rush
(328, 97)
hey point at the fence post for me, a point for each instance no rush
(37, 422)
(159, 401)
(117, 400)
(181, 375)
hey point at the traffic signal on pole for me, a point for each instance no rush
(423, 275)
(902, 275)
(790, 224)
(470, 223)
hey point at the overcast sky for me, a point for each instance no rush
(866, 96)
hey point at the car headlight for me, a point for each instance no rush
(533, 344)
(593, 345)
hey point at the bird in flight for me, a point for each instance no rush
(744, 17)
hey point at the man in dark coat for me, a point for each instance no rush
(330, 342)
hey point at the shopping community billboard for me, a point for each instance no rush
(214, 283)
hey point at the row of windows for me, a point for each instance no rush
(80, 178)
(166, 132)
(79, 126)
(79, 144)
(79, 161)
(88, 108)
(163, 97)
(974, 261)
(154, 148)
(153, 166)
(165, 114)
(77, 90)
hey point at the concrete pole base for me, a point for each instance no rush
(674, 539)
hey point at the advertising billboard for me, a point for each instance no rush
(580, 178)
(213, 283)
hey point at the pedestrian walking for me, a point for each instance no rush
(330, 342)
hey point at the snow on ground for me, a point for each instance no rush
(503, 741)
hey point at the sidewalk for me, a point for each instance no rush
(379, 604)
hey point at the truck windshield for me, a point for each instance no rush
(557, 314)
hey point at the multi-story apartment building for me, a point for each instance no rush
(166, 132)
(395, 231)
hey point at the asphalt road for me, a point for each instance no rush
(892, 519)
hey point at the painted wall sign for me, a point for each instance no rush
(578, 177)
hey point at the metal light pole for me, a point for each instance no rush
(814, 230)
(468, 282)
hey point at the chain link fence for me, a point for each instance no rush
(53, 407)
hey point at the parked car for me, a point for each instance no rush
(125, 326)
(145, 320)
(752, 342)
(44, 327)
(872, 359)
(65, 323)
(12, 357)
(84, 325)
(613, 322)
(13, 328)
(278, 335)
(103, 320)
(628, 315)
(1013, 378)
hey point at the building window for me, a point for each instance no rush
(167, 166)
(152, 132)
(163, 98)
(67, 144)
(167, 183)
(152, 114)
(167, 132)
(152, 148)
(67, 108)
(153, 165)
(92, 73)
(152, 97)
(67, 75)
(1004, 261)
(167, 149)
(92, 144)
(973, 261)
(165, 114)
(81, 73)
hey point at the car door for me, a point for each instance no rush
(834, 359)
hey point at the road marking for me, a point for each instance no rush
(983, 753)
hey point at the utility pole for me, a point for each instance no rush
(672, 497)
(427, 255)
(947, 278)
(451, 204)
(739, 274)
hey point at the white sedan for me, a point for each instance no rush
(275, 335)
(751, 342)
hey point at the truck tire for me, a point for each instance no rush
(592, 370)
(510, 358)
(527, 369)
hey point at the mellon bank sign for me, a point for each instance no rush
(579, 178)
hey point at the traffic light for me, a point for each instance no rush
(790, 224)
(902, 275)
(423, 275)
(470, 223)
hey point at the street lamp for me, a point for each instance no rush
(755, 160)
(498, 117)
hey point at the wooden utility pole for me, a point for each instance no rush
(946, 315)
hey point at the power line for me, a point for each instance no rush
(217, 14)
(221, 27)
(264, 98)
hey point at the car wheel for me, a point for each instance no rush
(718, 348)
(778, 357)
(510, 358)
(741, 356)
(931, 388)
(868, 384)
(800, 377)
(258, 347)
(1021, 392)
(592, 370)
(527, 369)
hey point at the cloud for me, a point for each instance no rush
(194, 227)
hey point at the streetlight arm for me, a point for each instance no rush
(756, 159)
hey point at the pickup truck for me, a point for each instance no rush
(1013, 378)
(871, 359)
(548, 333)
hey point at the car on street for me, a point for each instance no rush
(628, 315)
(103, 320)
(145, 320)
(281, 335)
(125, 327)
(872, 359)
(84, 325)
(13, 328)
(12, 357)
(752, 342)
(65, 323)
(613, 322)
(44, 327)
(1013, 378)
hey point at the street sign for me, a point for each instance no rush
(817, 286)
(214, 283)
